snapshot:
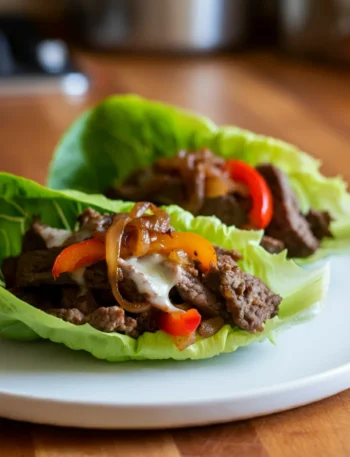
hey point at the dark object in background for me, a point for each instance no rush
(6, 60)
(30, 61)
(315, 28)
(162, 25)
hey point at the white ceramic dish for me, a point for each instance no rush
(47, 383)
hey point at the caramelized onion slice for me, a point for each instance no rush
(158, 222)
(139, 209)
(136, 242)
(153, 223)
(216, 187)
(211, 326)
(114, 239)
(182, 342)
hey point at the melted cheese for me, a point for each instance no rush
(54, 237)
(154, 278)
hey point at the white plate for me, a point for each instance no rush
(47, 383)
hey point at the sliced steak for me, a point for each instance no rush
(160, 189)
(129, 291)
(111, 319)
(248, 300)
(272, 245)
(92, 221)
(74, 297)
(72, 315)
(226, 208)
(103, 297)
(32, 241)
(194, 292)
(166, 190)
(235, 255)
(35, 269)
(43, 297)
(319, 222)
(288, 224)
(9, 269)
(96, 276)
(146, 322)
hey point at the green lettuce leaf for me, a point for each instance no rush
(126, 132)
(21, 199)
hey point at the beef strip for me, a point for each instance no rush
(72, 315)
(107, 319)
(34, 269)
(227, 208)
(129, 291)
(160, 189)
(96, 276)
(249, 301)
(319, 222)
(146, 322)
(193, 291)
(92, 221)
(111, 319)
(227, 291)
(288, 224)
(235, 255)
(9, 269)
(43, 297)
(272, 245)
(83, 300)
(103, 297)
(32, 241)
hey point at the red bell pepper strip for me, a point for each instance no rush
(181, 323)
(79, 255)
(262, 210)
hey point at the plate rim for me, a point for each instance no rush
(252, 394)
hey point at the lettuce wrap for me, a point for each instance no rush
(21, 199)
(123, 133)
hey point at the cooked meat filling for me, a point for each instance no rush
(222, 294)
(199, 183)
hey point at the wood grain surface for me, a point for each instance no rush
(303, 103)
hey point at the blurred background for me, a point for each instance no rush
(279, 67)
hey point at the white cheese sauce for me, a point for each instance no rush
(54, 237)
(153, 277)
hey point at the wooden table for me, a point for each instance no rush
(301, 103)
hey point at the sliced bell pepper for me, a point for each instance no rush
(197, 247)
(182, 323)
(262, 210)
(79, 255)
